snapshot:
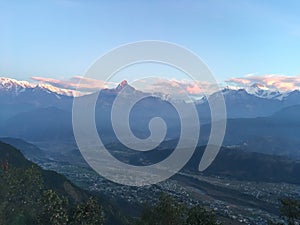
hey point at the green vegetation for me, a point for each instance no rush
(290, 211)
(24, 200)
(169, 212)
(89, 213)
(32, 196)
(20, 191)
(54, 209)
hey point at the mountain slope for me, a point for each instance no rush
(21, 96)
(40, 124)
(276, 134)
(251, 166)
(11, 158)
(14, 158)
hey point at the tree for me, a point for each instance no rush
(169, 212)
(198, 215)
(54, 210)
(166, 212)
(90, 213)
(290, 210)
(20, 191)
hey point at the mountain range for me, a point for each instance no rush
(43, 114)
(255, 100)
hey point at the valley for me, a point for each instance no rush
(241, 202)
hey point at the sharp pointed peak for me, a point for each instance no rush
(121, 85)
(124, 84)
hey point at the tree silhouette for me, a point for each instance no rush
(290, 210)
(54, 210)
(198, 215)
(90, 213)
(20, 191)
(169, 212)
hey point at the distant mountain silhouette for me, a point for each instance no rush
(239, 164)
(30, 151)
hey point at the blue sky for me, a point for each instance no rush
(61, 38)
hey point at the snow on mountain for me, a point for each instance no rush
(16, 87)
(257, 90)
(12, 85)
(262, 91)
(60, 91)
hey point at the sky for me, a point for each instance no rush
(238, 39)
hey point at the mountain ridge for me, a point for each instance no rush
(19, 86)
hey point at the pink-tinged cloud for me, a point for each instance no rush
(175, 88)
(236, 80)
(169, 87)
(280, 82)
(193, 89)
(76, 82)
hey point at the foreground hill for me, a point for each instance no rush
(25, 180)
(53, 180)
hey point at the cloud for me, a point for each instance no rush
(76, 82)
(193, 89)
(272, 81)
(175, 88)
(171, 87)
(236, 80)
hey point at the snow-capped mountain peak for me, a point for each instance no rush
(262, 91)
(9, 83)
(256, 89)
(18, 86)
